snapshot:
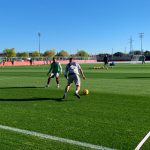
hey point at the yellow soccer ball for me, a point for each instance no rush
(85, 92)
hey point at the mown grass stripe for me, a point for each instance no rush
(50, 137)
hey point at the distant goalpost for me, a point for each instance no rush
(136, 59)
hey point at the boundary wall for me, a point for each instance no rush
(28, 63)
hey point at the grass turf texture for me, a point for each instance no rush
(115, 114)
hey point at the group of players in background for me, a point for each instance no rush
(72, 72)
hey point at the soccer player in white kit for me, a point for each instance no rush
(72, 72)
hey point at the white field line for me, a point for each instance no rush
(143, 141)
(55, 138)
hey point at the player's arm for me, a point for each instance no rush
(49, 70)
(81, 71)
(60, 68)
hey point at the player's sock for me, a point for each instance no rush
(47, 85)
(57, 85)
(76, 92)
(64, 96)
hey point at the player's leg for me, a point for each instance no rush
(49, 79)
(77, 88)
(48, 82)
(67, 87)
(106, 65)
(70, 80)
(66, 90)
(77, 91)
(57, 79)
(77, 83)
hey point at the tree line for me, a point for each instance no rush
(51, 53)
(48, 53)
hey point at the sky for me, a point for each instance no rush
(96, 26)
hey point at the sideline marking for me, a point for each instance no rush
(143, 141)
(55, 138)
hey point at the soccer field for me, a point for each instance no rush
(115, 114)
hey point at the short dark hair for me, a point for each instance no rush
(70, 58)
(54, 58)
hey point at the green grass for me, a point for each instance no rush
(115, 114)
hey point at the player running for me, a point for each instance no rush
(72, 74)
(54, 71)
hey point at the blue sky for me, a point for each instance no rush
(97, 26)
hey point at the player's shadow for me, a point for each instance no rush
(31, 99)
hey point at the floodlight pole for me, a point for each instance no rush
(39, 34)
(131, 46)
(112, 53)
(141, 35)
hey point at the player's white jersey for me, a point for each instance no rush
(72, 67)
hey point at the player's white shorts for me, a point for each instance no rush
(74, 78)
(52, 75)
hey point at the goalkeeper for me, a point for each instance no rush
(54, 71)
